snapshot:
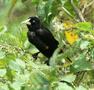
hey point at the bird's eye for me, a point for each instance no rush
(33, 21)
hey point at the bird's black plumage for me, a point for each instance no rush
(41, 37)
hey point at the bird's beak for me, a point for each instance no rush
(26, 22)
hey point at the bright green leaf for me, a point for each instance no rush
(69, 78)
(84, 45)
(81, 88)
(84, 26)
(2, 54)
(63, 86)
(2, 72)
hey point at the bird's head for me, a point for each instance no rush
(32, 23)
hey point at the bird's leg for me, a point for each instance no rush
(35, 55)
(47, 61)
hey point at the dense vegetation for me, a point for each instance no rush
(72, 24)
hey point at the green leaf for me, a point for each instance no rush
(84, 26)
(2, 72)
(40, 10)
(81, 64)
(16, 85)
(54, 58)
(69, 78)
(48, 7)
(2, 54)
(13, 65)
(81, 88)
(3, 29)
(84, 45)
(4, 87)
(17, 65)
(20, 80)
(92, 53)
(63, 86)
(20, 63)
(35, 2)
(38, 79)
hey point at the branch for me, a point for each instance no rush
(90, 3)
(87, 5)
(78, 12)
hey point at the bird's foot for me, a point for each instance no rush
(47, 62)
(35, 55)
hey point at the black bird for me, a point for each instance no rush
(41, 37)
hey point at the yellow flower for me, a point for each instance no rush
(71, 37)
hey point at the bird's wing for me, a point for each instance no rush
(32, 37)
(46, 36)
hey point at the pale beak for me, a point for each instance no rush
(26, 22)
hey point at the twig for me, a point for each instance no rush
(68, 13)
(90, 3)
(84, 8)
(79, 77)
(78, 12)
(87, 5)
